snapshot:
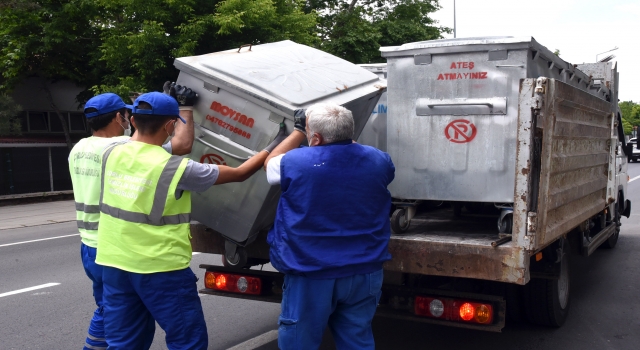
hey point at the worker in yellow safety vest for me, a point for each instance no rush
(108, 117)
(143, 237)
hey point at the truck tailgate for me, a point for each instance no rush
(440, 244)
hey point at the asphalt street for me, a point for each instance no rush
(56, 314)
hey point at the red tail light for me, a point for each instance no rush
(228, 282)
(454, 310)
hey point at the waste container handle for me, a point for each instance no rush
(221, 150)
(488, 104)
(245, 45)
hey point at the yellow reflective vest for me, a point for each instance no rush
(144, 227)
(85, 166)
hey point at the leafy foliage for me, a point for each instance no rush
(130, 45)
(9, 123)
(630, 115)
(140, 39)
(355, 30)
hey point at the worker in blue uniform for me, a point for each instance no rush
(331, 231)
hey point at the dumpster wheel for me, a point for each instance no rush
(399, 222)
(239, 259)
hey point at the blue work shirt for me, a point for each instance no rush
(333, 215)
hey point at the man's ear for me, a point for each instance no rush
(316, 140)
(133, 123)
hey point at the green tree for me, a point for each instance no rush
(141, 38)
(9, 109)
(355, 29)
(630, 114)
(48, 39)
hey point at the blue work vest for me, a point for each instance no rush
(333, 215)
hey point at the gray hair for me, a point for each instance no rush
(332, 121)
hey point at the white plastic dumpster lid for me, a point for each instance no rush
(291, 72)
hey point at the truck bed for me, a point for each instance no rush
(437, 243)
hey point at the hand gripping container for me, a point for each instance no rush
(375, 131)
(244, 95)
(453, 111)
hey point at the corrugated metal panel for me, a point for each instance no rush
(575, 159)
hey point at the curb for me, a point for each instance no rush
(38, 197)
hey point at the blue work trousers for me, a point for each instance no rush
(133, 302)
(346, 305)
(95, 335)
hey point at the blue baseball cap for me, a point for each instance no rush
(161, 104)
(105, 103)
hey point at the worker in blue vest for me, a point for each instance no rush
(144, 231)
(108, 118)
(331, 231)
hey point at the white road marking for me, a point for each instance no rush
(28, 289)
(38, 240)
(258, 341)
(635, 178)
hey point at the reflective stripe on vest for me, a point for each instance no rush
(87, 208)
(159, 199)
(85, 225)
(85, 164)
(144, 226)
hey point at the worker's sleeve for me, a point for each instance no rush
(167, 147)
(273, 170)
(198, 177)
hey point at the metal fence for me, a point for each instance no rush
(34, 169)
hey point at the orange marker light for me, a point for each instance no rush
(539, 256)
(483, 314)
(467, 312)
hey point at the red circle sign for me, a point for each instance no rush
(460, 131)
(212, 158)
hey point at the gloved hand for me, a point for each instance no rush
(185, 97)
(282, 134)
(300, 120)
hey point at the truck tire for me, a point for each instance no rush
(399, 222)
(547, 301)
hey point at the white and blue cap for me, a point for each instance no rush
(161, 104)
(105, 103)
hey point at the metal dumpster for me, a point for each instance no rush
(375, 131)
(452, 120)
(244, 94)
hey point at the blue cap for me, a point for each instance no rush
(161, 104)
(105, 103)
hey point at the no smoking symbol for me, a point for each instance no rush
(460, 131)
